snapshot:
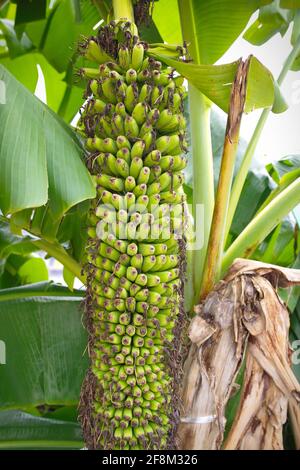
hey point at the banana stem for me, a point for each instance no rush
(103, 7)
(212, 267)
(67, 94)
(56, 251)
(123, 9)
(241, 176)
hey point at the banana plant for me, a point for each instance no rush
(134, 131)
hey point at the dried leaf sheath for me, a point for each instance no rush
(269, 381)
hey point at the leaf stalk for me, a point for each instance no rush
(212, 267)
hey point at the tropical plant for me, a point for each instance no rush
(62, 174)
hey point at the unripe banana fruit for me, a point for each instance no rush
(135, 133)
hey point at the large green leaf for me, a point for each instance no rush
(63, 30)
(167, 20)
(45, 344)
(33, 270)
(30, 10)
(19, 430)
(295, 35)
(151, 34)
(261, 188)
(40, 289)
(40, 155)
(62, 94)
(25, 69)
(215, 24)
(271, 20)
(263, 224)
(283, 172)
(215, 81)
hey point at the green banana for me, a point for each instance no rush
(135, 133)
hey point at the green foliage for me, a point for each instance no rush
(290, 3)
(33, 36)
(216, 24)
(42, 162)
(24, 68)
(47, 359)
(17, 265)
(56, 43)
(276, 18)
(263, 224)
(271, 20)
(30, 10)
(215, 81)
(33, 270)
(169, 30)
(20, 430)
(12, 244)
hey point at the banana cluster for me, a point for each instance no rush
(135, 135)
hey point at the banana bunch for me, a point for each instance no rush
(135, 136)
